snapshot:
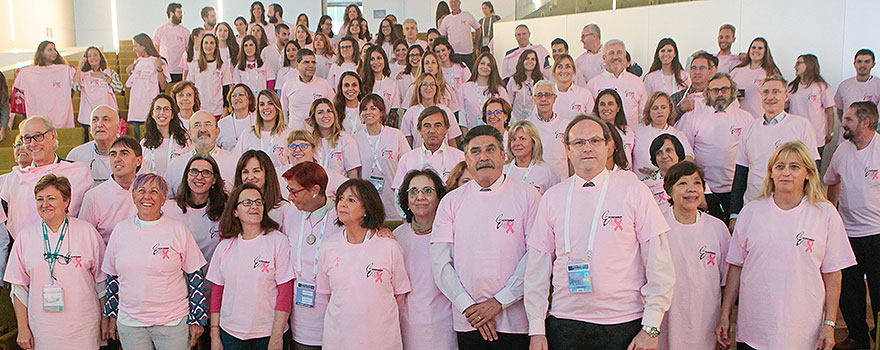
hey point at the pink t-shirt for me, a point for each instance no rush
(231, 128)
(727, 62)
(458, 28)
(272, 60)
(759, 141)
(227, 161)
(657, 81)
(343, 157)
(426, 317)
(255, 77)
(273, 145)
(76, 327)
(250, 272)
(588, 66)
(449, 98)
(715, 137)
(644, 135)
(336, 71)
(144, 85)
(456, 75)
(297, 98)
(698, 252)
(210, 83)
(629, 219)
(655, 185)
(539, 175)
(858, 173)
(387, 89)
(18, 191)
(750, 80)
(47, 92)
(94, 91)
(552, 134)
(363, 281)
(171, 41)
(488, 233)
(852, 90)
(811, 103)
(156, 160)
(521, 99)
(508, 64)
(106, 205)
(631, 90)
(473, 98)
(783, 254)
(308, 322)
(379, 157)
(323, 64)
(409, 124)
(441, 161)
(203, 230)
(150, 264)
(576, 100)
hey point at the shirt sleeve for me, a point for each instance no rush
(215, 270)
(283, 267)
(660, 273)
(838, 252)
(737, 252)
(513, 288)
(838, 98)
(191, 256)
(98, 250)
(832, 176)
(108, 266)
(539, 269)
(447, 279)
(322, 280)
(16, 272)
(351, 156)
(399, 277)
(827, 97)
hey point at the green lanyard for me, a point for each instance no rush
(52, 257)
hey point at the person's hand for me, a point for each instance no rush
(826, 338)
(276, 342)
(25, 338)
(722, 332)
(643, 341)
(731, 225)
(488, 332)
(385, 233)
(108, 328)
(481, 313)
(647, 170)
(828, 138)
(82, 63)
(687, 103)
(538, 342)
(195, 331)
(130, 68)
(159, 63)
(216, 342)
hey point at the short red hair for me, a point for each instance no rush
(307, 174)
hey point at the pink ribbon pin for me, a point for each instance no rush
(165, 254)
(618, 224)
(78, 262)
(265, 266)
(510, 227)
(379, 276)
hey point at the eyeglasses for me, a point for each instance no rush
(766, 92)
(414, 55)
(581, 143)
(26, 139)
(414, 192)
(299, 146)
(161, 109)
(495, 113)
(544, 95)
(722, 90)
(61, 259)
(429, 84)
(294, 192)
(345, 47)
(193, 172)
(251, 202)
(699, 67)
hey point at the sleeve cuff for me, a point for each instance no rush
(734, 216)
(506, 297)
(536, 327)
(462, 302)
(652, 318)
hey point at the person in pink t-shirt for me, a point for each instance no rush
(699, 244)
(785, 257)
(428, 86)
(376, 78)
(654, 123)
(433, 124)
(211, 76)
(364, 275)
(525, 153)
(107, 204)
(255, 166)
(551, 127)
(511, 57)
(630, 88)
(571, 99)
(521, 84)
(98, 85)
(252, 276)
(165, 137)
(188, 99)
(426, 317)
(147, 77)
(155, 293)
(209, 18)
(590, 64)
(302, 147)
(338, 150)
(666, 150)
(478, 247)
(750, 74)
(47, 86)
(243, 105)
(203, 131)
(599, 240)
(458, 26)
(48, 316)
(862, 87)
(269, 132)
(297, 94)
(171, 39)
(810, 96)
(726, 59)
(609, 107)
(666, 73)
(852, 179)
(483, 85)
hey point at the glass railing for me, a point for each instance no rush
(545, 8)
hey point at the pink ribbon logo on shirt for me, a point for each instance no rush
(736, 131)
(499, 221)
(388, 153)
(338, 156)
(804, 241)
(708, 255)
(618, 224)
(164, 249)
(261, 263)
(165, 254)
(373, 270)
(78, 260)
(617, 219)
(873, 173)
(265, 266)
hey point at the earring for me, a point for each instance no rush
(314, 195)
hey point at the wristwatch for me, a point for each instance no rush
(653, 332)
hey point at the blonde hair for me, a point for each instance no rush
(646, 114)
(303, 135)
(813, 184)
(335, 129)
(530, 130)
(280, 119)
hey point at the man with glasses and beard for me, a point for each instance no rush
(203, 130)
(714, 131)
(170, 39)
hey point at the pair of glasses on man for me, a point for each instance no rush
(26, 139)
(414, 192)
(581, 143)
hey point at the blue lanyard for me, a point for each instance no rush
(53, 257)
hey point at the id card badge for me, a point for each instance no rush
(579, 280)
(53, 298)
(305, 294)
(378, 182)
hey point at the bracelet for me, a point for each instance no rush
(830, 323)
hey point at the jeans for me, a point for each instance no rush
(852, 286)
(137, 129)
(230, 342)
(154, 337)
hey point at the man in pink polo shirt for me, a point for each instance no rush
(203, 132)
(726, 59)
(523, 35)
(589, 64)
(107, 204)
(862, 87)
(170, 39)
(853, 178)
(478, 248)
(411, 34)
(297, 94)
(457, 26)
(435, 153)
(600, 239)
(630, 88)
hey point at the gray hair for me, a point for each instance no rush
(46, 122)
(613, 42)
(546, 83)
(594, 28)
(410, 20)
(146, 178)
(717, 76)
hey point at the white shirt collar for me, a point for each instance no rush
(776, 119)
(598, 180)
(493, 187)
(441, 150)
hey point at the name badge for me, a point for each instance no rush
(53, 298)
(305, 294)
(579, 280)
(378, 182)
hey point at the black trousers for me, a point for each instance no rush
(719, 206)
(176, 77)
(744, 346)
(506, 341)
(565, 334)
(468, 60)
(852, 286)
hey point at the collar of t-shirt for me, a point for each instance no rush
(146, 225)
(599, 50)
(319, 213)
(494, 186)
(34, 164)
(597, 180)
(775, 120)
(614, 76)
(440, 150)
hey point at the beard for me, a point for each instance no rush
(274, 20)
(847, 134)
(720, 103)
(176, 20)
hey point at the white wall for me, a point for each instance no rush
(35, 21)
(423, 11)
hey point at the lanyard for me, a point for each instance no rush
(566, 227)
(326, 147)
(153, 154)
(528, 170)
(422, 160)
(53, 257)
(374, 146)
(318, 241)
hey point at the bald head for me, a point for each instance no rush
(39, 138)
(104, 126)
(204, 131)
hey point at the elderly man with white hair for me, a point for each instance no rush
(39, 137)
(203, 131)
(551, 127)
(630, 88)
(104, 130)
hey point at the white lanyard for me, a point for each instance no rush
(374, 146)
(528, 170)
(326, 147)
(422, 161)
(318, 241)
(263, 144)
(596, 215)
(153, 154)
